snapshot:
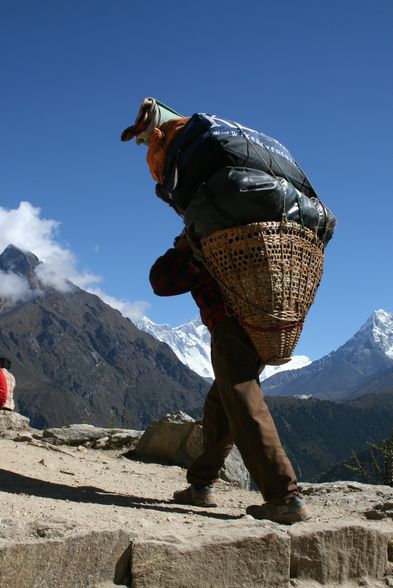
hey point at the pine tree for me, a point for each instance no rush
(380, 468)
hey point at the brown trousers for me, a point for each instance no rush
(235, 412)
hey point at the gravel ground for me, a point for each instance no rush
(49, 491)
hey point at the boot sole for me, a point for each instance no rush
(285, 519)
(194, 502)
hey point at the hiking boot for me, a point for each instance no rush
(204, 496)
(294, 511)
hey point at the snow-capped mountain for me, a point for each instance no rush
(191, 344)
(343, 373)
(297, 362)
(376, 334)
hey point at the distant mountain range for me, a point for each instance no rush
(76, 359)
(191, 344)
(313, 405)
(364, 364)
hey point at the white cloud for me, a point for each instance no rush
(50, 277)
(25, 228)
(133, 310)
(14, 287)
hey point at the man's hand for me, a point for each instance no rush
(181, 242)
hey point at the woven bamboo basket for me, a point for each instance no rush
(269, 273)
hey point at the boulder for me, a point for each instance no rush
(11, 422)
(177, 439)
(125, 440)
(167, 439)
(82, 433)
(23, 437)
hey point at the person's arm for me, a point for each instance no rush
(175, 272)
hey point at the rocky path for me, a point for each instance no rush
(76, 517)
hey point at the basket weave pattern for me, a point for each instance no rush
(269, 273)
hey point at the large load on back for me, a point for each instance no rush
(252, 214)
(222, 175)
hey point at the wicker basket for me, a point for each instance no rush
(269, 273)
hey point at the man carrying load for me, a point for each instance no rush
(183, 156)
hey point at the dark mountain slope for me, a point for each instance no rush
(376, 383)
(318, 434)
(77, 359)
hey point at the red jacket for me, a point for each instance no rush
(178, 272)
(3, 389)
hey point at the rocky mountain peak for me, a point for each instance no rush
(22, 263)
(191, 344)
(375, 334)
(382, 331)
(364, 362)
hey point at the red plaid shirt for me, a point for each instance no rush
(178, 272)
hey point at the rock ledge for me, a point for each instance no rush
(80, 517)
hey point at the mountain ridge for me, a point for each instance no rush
(76, 358)
(72, 347)
(191, 343)
(339, 374)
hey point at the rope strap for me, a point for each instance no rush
(284, 327)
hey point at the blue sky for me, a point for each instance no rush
(315, 75)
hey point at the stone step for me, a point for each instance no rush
(252, 555)
(69, 562)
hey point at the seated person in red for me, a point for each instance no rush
(3, 389)
(7, 385)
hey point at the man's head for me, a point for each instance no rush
(5, 363)
(152, 113)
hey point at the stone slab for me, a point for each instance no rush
(337, 553)
(259, 559)
(70, 562)
(82, 433)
